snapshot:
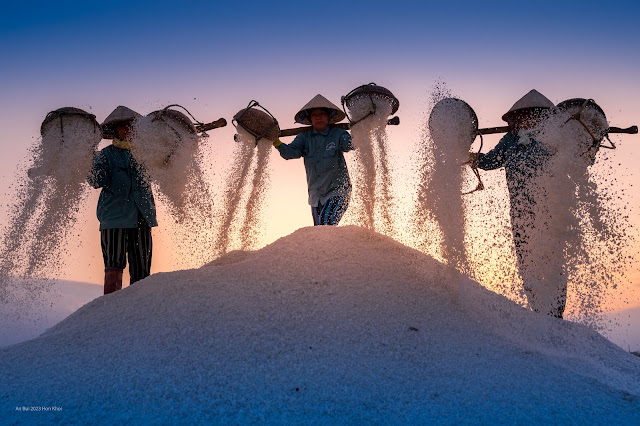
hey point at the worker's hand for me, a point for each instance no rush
(277, 142)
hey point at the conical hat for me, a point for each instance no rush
(319, 101)
(533, 99)
(118, 115)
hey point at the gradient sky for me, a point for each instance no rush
(214, 57)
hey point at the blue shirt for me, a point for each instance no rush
(125, 194)
(522, 162)
(327, 174)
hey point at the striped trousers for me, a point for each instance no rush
(331, 212)
(134, 243)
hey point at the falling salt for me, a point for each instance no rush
(170, 154)
(372, 199)
(244, 197)
(585, 240)
(172, 158)
(579, 232)
(47, 203)
(255, 203)
(452, 126)
(445, 150)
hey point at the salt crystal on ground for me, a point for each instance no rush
(328, 324)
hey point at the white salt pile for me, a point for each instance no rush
(48, 200)
(372, 200)
(18, 324)
(239, 227)
(329, 324)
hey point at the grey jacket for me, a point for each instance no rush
(327, 174)
(522, 162)
(125, 193)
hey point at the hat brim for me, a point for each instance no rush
(319, 101)
(508, 116)
(335, 115)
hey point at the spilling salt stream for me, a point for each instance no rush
(47, 202)
(577, 234)
(247, 183)
(172, 157)
(438, 219)
(372, 204)
(47, 206)
(452, 126)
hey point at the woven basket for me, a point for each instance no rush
(453, 119)
(258, 123)
(174, 118)
(592, 115)
(593, 118)
(375, 91)
(52, 115)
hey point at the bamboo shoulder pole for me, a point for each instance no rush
(210, 126)
(297, 130)
(393, 121)
(629, 130)
(492, 130)
(504, 129)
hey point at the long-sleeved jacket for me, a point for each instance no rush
(521, 162)
(125, 193)
(324, 162)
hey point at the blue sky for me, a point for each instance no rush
(92, 37)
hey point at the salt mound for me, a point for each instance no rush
(327, 324)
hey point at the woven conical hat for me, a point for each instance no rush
(118, 115)
(319, 101)
(531, 100)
